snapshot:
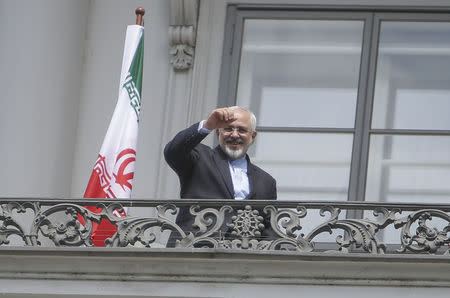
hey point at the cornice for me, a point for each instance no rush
(217, 266)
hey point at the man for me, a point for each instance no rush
(224, 172)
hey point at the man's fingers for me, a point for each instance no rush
(228, 115)
(220, 118)
(232, 116)
(224, 114)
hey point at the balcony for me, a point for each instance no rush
(244, 243)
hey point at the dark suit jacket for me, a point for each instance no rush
(204, 172)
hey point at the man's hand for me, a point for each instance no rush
(219, 118)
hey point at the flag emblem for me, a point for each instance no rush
(125, 162)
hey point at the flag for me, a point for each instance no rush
(112, 176)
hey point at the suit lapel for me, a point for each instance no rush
(221, 161)
(251, 179)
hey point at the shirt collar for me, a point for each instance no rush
(239, 163)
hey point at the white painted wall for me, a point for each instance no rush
(41, 55)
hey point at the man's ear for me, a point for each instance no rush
(254, 136)
(217, 132)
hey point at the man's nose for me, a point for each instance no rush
(235, 133)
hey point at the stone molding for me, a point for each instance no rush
(97, 271)
(182, 33)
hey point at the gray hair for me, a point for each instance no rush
(252, 116)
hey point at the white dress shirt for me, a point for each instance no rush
(238, 171)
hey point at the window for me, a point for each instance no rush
(350, 105)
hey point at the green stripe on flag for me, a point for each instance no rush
(137, 65)
(133, 80)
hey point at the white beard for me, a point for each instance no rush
(233, 154)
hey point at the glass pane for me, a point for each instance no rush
(303, 70)
(313, 107)
(412, 89)
(409, 169)
(304, 165)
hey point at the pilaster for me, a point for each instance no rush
(182, 42)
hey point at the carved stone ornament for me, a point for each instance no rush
(182, 46)
(182, 33)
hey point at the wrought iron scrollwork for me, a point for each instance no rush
(132, 230)
(10, 226)
(238, 227)
(360, 233)
(426, 239)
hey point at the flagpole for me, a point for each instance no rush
(140, 11)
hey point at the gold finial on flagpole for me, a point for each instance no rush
(140, 11)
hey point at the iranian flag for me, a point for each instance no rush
(112, 176)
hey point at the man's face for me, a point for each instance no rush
(235, 138)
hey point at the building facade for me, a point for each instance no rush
(352, 99)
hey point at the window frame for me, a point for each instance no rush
(372, 17)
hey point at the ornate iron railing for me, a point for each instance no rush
(237, 225)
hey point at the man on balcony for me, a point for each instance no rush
(224, 172)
